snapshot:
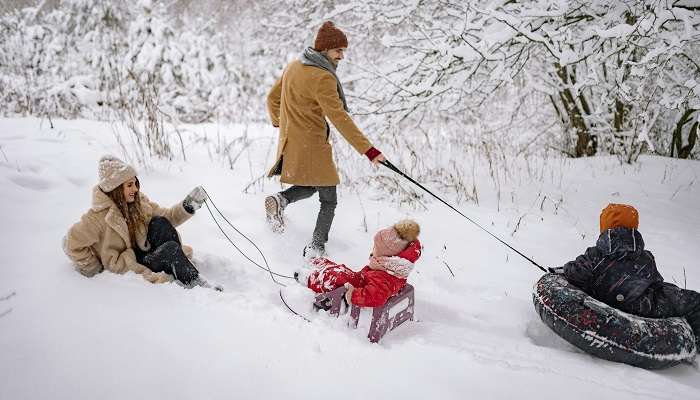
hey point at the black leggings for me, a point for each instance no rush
(165, 252)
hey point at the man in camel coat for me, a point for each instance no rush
(299, 103)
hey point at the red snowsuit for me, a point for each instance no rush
(372, 287)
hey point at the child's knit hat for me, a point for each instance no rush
(392, 240)
(618, 216)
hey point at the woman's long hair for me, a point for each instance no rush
(131, 211)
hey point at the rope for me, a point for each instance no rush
(268, 269)
(267, 266)
(392, 167)
(290, 308)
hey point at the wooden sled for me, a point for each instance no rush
(382, 320)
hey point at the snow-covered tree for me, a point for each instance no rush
(578, 77)
(59, 61)
(609, 70)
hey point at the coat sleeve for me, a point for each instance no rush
(274, 99)
(579, 272)
(332, 107)
(78, 242)
(374, 293)
(412, 252)
(176, 214)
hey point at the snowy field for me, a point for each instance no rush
(477, 336)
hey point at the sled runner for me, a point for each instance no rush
(382, 319)
(609, 333)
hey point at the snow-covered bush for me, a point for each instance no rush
(431, 83)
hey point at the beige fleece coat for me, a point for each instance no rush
(299, 103)
(101, 238)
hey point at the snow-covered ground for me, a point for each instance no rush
(64, 336)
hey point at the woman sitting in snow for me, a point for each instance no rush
(395, 251)
(125, 231)
(619, 272)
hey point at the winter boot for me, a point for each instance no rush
(170, 258)
(302, 277)
(333, 301)
(274, 210)
(314, 250)
(324, 304)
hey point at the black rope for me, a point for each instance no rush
(392, 167)
(267, 266)
(268, 269)
(292, 310)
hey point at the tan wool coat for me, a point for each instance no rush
(299, 103)
(101, 238)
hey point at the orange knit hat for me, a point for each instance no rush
(329, 37)
(618, 216)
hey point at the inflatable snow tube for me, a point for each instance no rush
(609, 333)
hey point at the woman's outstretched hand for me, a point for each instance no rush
(195, 199)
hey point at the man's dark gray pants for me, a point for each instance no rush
(329, 199)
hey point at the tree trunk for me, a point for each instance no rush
(677, 148)
(586, 144)
(619, 115)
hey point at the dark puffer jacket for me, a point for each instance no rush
(617, 270)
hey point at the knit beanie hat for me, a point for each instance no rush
(387, 242)
(618, 216)
(329, 37)
(113, 172)
(391, 241)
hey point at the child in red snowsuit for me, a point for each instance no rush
(395, 251)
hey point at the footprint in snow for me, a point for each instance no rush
(9, 166)
(50, 140)
(32, 183)
(77, 181)
(221, 270)
(13, 138)
(26, 167)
